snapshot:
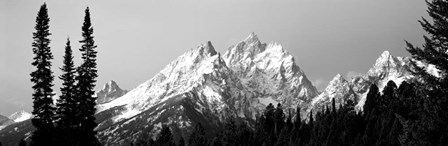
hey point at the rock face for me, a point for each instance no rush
(268, 73)
(109, 92)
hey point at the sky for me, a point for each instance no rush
(138, 38)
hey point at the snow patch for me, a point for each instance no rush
(266, 101)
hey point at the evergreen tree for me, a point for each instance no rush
(144, 139)
(431, 125)
(197, 137)
(298, 119)
(216, 142)
(42, 77)
(165, 137)
(311, 118)
(21, 143)
(279, 119)
(181, 141)
(87, 73)
(371, 98)
(66, 103)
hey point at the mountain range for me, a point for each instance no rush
(204, 86)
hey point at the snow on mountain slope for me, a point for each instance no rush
(14, 118)
(268, 71)
(109, 92)
(20, 116)
(180, 76)
(197, 85)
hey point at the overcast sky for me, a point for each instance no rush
(136, 39)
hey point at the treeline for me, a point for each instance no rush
(71, 120)
(379, 124)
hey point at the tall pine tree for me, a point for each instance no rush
(66, 103)
(87, 74)
(197, 137)
(431, 126)
(42, 77)
(165, 137)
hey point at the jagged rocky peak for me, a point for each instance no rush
(252, 53)
(204, 50)
(252, 39)
(338, 88)
(110, 86)
(337, 84)
(386, 63)
(244, 50)
(388, 67)
(269, 71)
(109, 92)
(208, 48)
(337, 80)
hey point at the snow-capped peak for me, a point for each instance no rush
(338, 88)
(207, 49)
(336, 81)
(20, 116)
(385, 60)
(111, 85)
(252, 38)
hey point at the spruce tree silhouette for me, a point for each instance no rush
(66, 105)
(431, 125)
(84, 121)
(42, 77)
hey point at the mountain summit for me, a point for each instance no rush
(109, 92)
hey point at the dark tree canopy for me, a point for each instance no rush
(197, 137)
(432, 88)
(86, 77)
(66, 104)
(165, 137)
(42, 78)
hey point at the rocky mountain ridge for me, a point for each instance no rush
(204, 86)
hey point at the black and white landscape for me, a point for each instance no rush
(252, 92)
